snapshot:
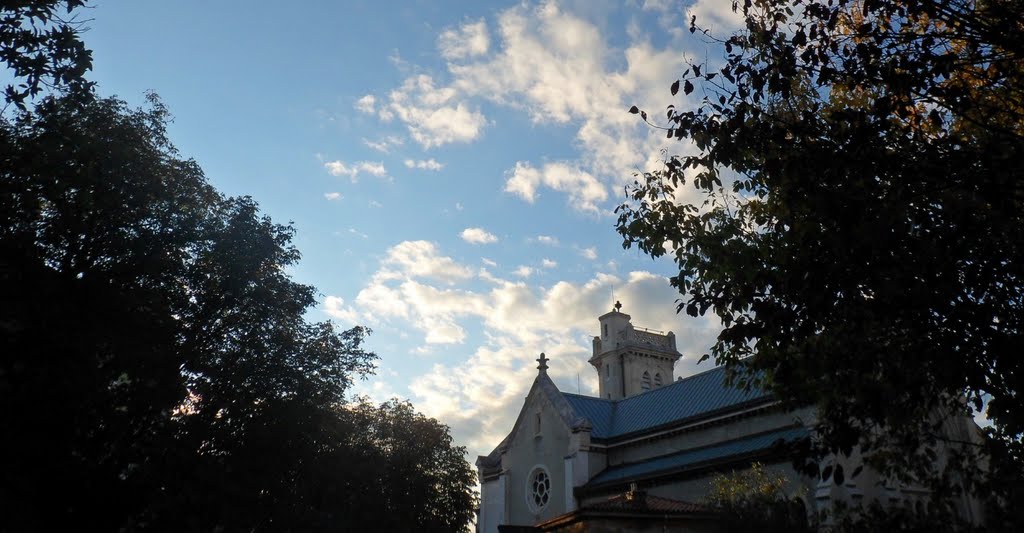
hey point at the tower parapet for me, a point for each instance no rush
(630, 359)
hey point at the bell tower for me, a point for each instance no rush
(631, 360)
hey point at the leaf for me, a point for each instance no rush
(675, 87)
(634, 110)
(688, 87)
(839, 476)
(826, 473)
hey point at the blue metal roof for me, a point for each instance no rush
(689, 398)
(681, 460)
(597, 411)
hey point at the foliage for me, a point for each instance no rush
(861, 236)
(905, 517)
(158, 370)
(755, 500)
(419, 478)
(40, 44)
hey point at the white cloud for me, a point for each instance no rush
(468, 41)
(433, 115)
(478, 236)
(366, 103)
(715, 15)
(358, 233)
(384, 145)
(332, 196)
(424, 164)
(335, 308)
(584, 190)
(552, 66)
(488, 262)
(375, 204)
(548, 263)
(421, 259)
(479, 394)
(523, 271)
(556, 68)
(354, 170)
(458, 206)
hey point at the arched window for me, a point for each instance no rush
(607, 370)
(657, 379)
(645, 381)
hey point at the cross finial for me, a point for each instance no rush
(618, 305)
(543, 360)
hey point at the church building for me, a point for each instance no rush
(641, 455)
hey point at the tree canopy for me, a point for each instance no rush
(41, 45)
(861, 235)
(159, 371)
(755, 500)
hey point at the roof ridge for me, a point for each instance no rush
(663, 387)
(701, 455)
(578, 395)
(679, 381)
(751, 436)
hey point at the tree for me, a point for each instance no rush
(861, 233)
(420, 479)
(41, 45)
(755, 500)
(158, 369)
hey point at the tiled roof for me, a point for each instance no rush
(695, 457)
(690, 398)
(646, 503)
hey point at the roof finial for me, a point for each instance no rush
(543, 360)
(618, 305)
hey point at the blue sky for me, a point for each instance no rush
(450, 168)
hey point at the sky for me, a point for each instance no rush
(451, 169)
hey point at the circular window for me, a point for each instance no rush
(538, 489)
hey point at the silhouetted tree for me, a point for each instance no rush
(862, 231)
(41, 46)
(158, 371)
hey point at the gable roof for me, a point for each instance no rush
(695, 458)
(545, 388)
(698, 396)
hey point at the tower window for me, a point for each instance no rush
(645, 381)
(605, 326)
(607, 370)
(657, 379)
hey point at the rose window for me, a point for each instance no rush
(540, 488)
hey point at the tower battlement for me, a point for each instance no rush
(631, 359)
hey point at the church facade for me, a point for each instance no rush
(642, 454)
